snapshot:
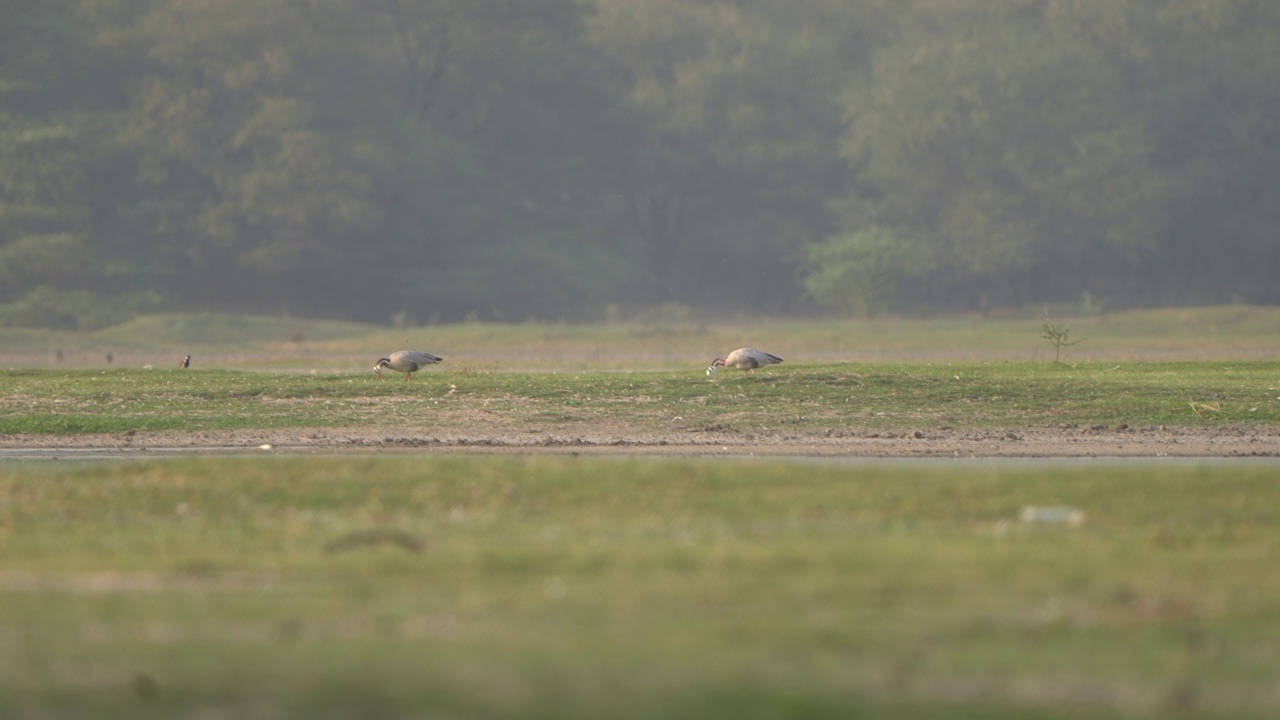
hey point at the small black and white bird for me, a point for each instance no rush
(186, 362)
(405, 361)
(744, 359)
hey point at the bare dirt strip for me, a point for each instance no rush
(481, 437)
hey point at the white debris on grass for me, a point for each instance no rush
(1055, 515)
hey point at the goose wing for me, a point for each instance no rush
(420, 358)
(763, 357)
(750, 358)
(411, 360)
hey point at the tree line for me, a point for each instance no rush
(515, 159)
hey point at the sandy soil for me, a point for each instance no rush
(481, 436)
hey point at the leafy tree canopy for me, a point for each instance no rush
(546, 158)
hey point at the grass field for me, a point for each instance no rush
(283, 343)
(1195, 367)
(797, 398)
(573, 587)
(577, 588)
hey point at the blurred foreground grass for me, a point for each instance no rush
(579, 588)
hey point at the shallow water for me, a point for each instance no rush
(143, 453)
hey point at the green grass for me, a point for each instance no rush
(568, 587)
(794, 398)
(579, 588)
(286, 343)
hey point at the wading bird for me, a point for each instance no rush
(405, 361)
(744, 359)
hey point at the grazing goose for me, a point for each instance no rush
(405, 361)
(744, 359)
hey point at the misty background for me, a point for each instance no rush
(417, 161)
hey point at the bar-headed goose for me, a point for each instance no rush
(744, 359)
(405, 361)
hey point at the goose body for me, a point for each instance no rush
(405, 361)
(744, 359)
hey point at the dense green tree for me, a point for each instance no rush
(543, 158)
(264, 201)
(432, 156)
(1214, 120)
(1037, 150)
(858, 273)
(56, 108)
(740, 152)
(1001, 142)
(516, 146)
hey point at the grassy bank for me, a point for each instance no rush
(285, 343)
(796, 397)
(408, 587)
